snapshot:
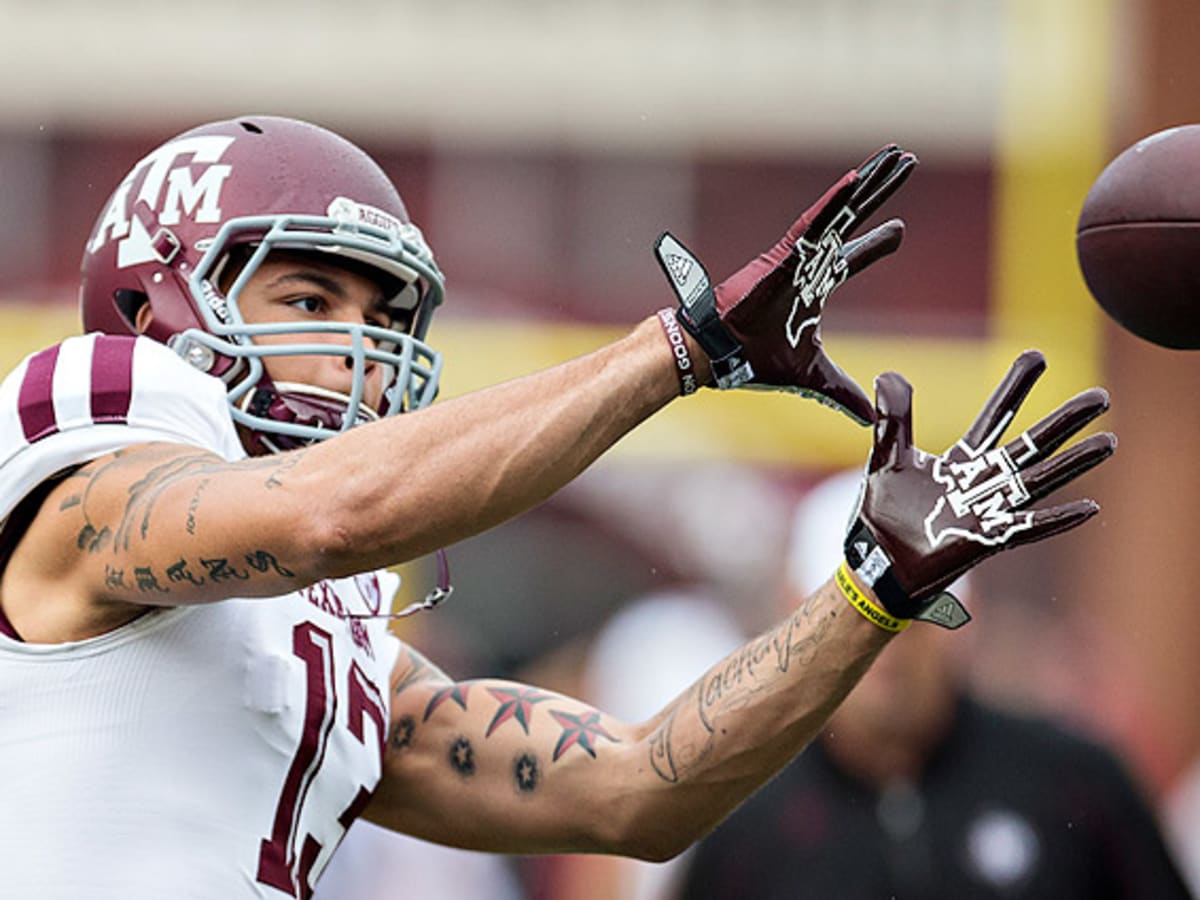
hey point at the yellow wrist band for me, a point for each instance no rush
(859, 601)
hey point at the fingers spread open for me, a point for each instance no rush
(1052, 431)
(1051, 474)
(1055, 520)
(872, 162)
(873, 246)
(840, 390)
(893, 425)
(884, 178)
(1005, 400)
(817, 217)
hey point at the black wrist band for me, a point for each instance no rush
(873, 566)
(871, 563)
(729, 364)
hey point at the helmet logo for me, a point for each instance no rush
(170, 191)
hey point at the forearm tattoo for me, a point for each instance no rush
(690, 727)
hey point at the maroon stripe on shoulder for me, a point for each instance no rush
(112, 377)
(7, 629)
(35, 402)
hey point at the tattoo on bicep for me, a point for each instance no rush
(580, 730)
(193, 505)
(275, 478)
(220, 569)
(146, 580)
(462, 757)
(188, 572)
(145, 492)
(417, 670)
(142, 496)
(403, 730)
(525, 773)
(262, 561)
(181, 572)
(516, 703)
(456, 692)
(114, 578)
(91, 540)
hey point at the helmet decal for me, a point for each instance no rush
(169, 191)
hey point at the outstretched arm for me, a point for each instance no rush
(194, 529)
(504, 767)
(169, 524)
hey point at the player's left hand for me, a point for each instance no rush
(761, 327)
(924, 520)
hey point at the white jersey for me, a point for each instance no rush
(216, 751)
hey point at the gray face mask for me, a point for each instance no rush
(284, 416)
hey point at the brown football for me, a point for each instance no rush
(1138, 238)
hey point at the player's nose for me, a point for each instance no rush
(350, 336)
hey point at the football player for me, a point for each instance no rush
(200, 497)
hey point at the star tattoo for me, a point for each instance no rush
(462, 757)
(402, 733)
(581, 730)
(525, 771)
(455, 692)
(515, 703)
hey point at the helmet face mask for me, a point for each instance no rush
(206, 209)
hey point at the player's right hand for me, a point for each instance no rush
(761, 327)
(924, 520)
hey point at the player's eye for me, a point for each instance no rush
(309, 304)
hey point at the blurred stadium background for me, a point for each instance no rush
(543, 145)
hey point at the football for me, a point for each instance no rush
(1138, 238)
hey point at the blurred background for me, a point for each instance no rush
(542, 146)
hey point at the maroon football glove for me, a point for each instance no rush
(761, 327)
(924, 520)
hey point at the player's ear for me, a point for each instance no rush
(143, 318)
(134, 307)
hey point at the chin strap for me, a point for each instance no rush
(440, 592)
(299, 404)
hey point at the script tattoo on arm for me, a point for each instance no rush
(275, 478)
(145, 492)
(193, 505)
(167, 467)
(149, 580)
(692, 726)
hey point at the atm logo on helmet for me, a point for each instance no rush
(170, 190)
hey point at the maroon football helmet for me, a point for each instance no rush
(238, 190)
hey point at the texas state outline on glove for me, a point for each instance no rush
(923, 520)
(761, 327)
